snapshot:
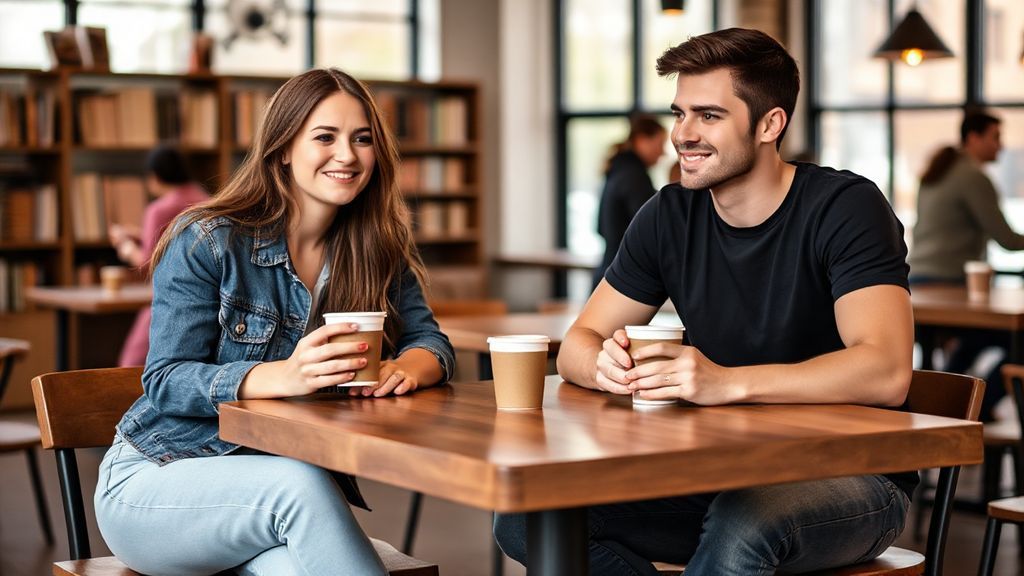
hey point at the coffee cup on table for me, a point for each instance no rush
(979, 280)
(370, 330)
(642, 336)
(112, 278)
(519, 363)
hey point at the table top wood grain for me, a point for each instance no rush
(587, 447)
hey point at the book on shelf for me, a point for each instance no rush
(123, 117)
(430, 220)
(15, 278)
(249, 107)
(62, 46)
(432, 174)
(92, 46)
(457, 220)
(198, 115)
(12, 106)
(100, 201)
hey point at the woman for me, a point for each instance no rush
(627, 184)
(312, 222)
(168, 180)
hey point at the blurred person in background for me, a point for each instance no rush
(627, 184)
(957, 214)
(168, 180)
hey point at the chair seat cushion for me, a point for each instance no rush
(894, 562)
(16, 436)
(398, 564)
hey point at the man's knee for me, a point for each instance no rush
(510, 533)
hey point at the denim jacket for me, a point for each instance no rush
(223, 302)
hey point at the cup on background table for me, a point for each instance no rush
(979, 280)
(641, 336)
(519, 363)
(112, 278)
(371, 331)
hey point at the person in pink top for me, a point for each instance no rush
(168, 180)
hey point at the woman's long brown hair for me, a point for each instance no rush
(370, 242)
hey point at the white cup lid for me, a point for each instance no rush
(367, 321)
(976, 266)
(519, 343)
(655, 332)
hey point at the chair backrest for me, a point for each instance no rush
(952, 396)
(465, 307)
(79, 409)
(945, 394)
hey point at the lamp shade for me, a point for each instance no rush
(912, 41)
(671, 6)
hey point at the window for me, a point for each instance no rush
(22, 23)
(887, 133)
(384, 39)
(607, 50)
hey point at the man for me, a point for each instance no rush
(957, 213)
(958, 207)
(792, 283)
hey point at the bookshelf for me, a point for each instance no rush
(73, 143)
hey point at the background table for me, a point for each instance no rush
(70, 300)
(586, 448)
(938, 307)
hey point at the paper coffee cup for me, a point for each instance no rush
(112, 278)
(979, 280)
(641, 336)
(371, 331)
(519, 363)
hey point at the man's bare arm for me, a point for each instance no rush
(876, 326)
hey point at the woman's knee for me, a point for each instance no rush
(510, 533)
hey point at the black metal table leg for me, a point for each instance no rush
(556, 542)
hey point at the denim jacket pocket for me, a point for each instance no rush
(245, 331)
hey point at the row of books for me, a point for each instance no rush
(140, 117)
(443, 120)
(28, 213)
(441, 219)
(15, 277)
(249, 107)
(28, 118)
(432, 174)
(102, 200)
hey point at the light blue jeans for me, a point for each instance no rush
(791, 528)
(257, 514)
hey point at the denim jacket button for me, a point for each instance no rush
(240, 328)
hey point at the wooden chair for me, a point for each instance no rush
(1008, 509)
(79, 409)
(937, 394)
(21, 436)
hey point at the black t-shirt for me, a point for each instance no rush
(764, 294)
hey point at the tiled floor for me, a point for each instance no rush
(456, 538)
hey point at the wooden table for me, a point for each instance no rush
(586, 448)
(558, 262)
(947, 307)
(68, 300)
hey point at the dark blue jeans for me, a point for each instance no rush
(796, 527)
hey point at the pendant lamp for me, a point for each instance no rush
(912, 41)
(671, 7)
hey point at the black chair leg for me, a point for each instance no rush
(992, 472)
(497, 556)
(921, 500)
(37, 488)
(989, 547)
(410, 525)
